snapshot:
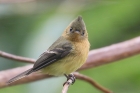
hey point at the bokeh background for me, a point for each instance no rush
(29, 28)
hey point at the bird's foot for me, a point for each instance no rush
(70, 77)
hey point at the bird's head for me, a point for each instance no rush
(76, 30)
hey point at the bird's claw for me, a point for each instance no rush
(71, 77)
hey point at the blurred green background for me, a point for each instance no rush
(29, 28)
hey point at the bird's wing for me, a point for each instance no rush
(51, 56)
(54, 53)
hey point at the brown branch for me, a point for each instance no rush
(92, 82)
(87, 79)
(66, 86)
(17, 58)
(96, 58)
(112, 53)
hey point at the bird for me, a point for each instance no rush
(68, 53)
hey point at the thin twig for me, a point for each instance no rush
(87, 79)
(92, 82)
(66, 86)
(17, 58)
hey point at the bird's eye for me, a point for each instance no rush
(83, 33)
(70, 29)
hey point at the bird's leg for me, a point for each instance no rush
(70, 76)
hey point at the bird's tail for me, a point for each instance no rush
(27, 72)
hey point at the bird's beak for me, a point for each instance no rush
(77, 32)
